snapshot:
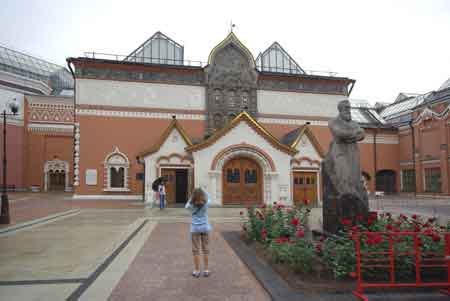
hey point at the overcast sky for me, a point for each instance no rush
(387, 46)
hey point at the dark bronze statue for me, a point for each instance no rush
(344, 195)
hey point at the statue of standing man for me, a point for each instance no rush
(344, 195)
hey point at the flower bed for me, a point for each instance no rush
(283, 234)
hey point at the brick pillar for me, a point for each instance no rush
(444, 157)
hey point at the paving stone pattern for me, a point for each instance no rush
(161, 270)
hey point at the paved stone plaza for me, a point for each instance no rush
(101, 250)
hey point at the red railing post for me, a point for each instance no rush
(391, 259)
(417, 257)
(359, 289)
(447, 257)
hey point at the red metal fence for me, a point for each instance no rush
(386, 259)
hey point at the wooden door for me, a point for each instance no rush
(305, 187)
(242, 182)
(170, 184)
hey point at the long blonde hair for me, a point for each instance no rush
(198, 197)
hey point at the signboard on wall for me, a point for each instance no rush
(91, 176)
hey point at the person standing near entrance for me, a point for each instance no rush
(200, 228)
(162, 193)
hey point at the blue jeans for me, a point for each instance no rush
(162, 200)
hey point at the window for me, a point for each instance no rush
(233, 176)
(433, 179)
(117, 177)
(116, 168)
(250, 176)
(408, 180)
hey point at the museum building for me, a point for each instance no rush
(247, 130)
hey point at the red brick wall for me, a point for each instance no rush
(15, 143)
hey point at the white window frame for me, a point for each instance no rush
(116, 160)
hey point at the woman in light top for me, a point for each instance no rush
(200, 228)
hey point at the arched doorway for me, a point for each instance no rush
(56, 175)
(385, 181)
(242, 182)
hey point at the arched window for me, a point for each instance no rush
(245, 99)
(116, 171)
(217, 97)
(218, 120)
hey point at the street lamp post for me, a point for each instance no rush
(4, 216)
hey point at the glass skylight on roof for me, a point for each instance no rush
(57, 77)
(359, 116)
(276, 59)
(159, 49)
(399, 108)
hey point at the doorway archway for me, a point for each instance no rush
(56, 175)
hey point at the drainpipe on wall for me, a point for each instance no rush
(74, 119)
(413, 145)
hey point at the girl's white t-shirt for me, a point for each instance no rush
(162, 189)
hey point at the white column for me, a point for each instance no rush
(215, 187)
(66, 181)
(45, 180)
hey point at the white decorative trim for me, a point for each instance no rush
(292, 121)
(116, 189)
(76, 165)
(61, 128)
(116, 159)
(135, 197)
(56, 165)
(431, 161)
(131, 114)
(427, 113)
(407, 163)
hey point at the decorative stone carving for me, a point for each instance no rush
(344, 195)
(56, 165)
(231, 82)
(76, 166)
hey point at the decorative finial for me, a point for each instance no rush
(231, 26)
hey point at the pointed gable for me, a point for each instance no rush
(244, 117)
(276, 59)
(174, 125)
(158, 49)
(305, 135)
(231, 40)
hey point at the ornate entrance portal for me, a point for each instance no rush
(242, 182)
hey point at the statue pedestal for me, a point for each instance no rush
(335, 209)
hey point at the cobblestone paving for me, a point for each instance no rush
(161, 270)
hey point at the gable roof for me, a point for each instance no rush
(293, 138)
(283, 62)
(150, 51)
(244, 117)
(174, 124)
